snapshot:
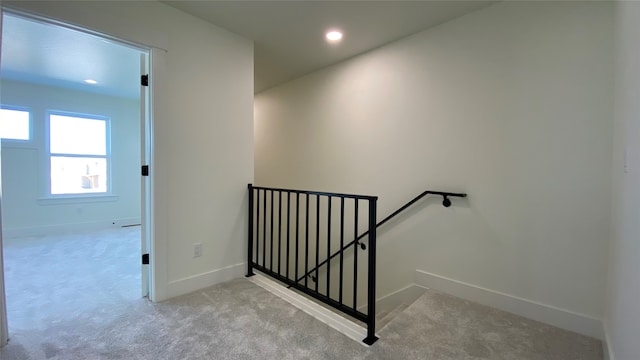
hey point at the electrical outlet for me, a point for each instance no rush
(197, 250)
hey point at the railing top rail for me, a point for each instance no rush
(350, 196)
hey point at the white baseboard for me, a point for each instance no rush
(565, 319)
(58, 229)
(327, 316)
(201, 281)
(405, 295)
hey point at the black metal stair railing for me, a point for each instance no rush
(285, 254)
(293, 255)
(446, 202)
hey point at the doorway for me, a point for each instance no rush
(87, 133)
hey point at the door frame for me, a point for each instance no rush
(4, 326)
(145, 160)
(147, 191)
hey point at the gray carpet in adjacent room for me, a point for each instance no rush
(55, 277)
(239, 320)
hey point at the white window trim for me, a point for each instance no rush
(11, 142)
(77, 197)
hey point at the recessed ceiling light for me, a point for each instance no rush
(333, 36)
(91, 81)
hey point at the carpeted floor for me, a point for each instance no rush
(239, 320)
(52, 278)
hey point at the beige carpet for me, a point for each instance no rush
(239, 320)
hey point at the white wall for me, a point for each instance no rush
(203, 128)
(25, 184)
(511, 104)
(622, 320)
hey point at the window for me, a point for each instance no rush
(79, 154)
(14, 124)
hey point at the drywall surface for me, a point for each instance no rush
(27, 206)
(202, 88)
(511, 104)
(622, 320)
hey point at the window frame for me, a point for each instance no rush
(47, 143)
(30, 125)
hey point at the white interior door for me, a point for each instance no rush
(145, 143)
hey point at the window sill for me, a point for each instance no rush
(77, 199)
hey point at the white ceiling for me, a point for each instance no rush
(53, 55)
(289, 35)
(288, 40)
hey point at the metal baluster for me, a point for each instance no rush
(306, 247)
(297, 232)
(271, 228)
(279, 229)
(328, 245)
(341, 247)
(264, 230)
(355, 257)
(288, 230)
(317, 239)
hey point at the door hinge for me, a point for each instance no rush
(145, 259)
(144, 80)
(145, 170)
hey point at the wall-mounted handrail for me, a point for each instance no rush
(446, 202)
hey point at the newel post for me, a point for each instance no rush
(371, 287)
(250, 233)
